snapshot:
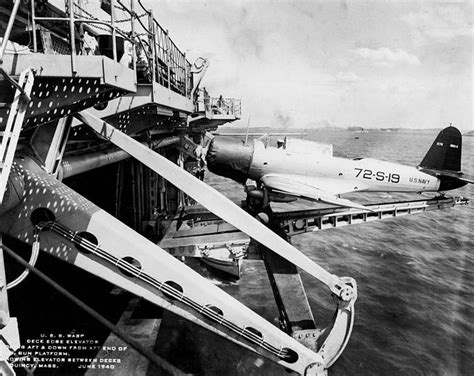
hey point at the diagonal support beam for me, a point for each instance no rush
(102, 245)
(216, 203)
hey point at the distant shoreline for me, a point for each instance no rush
(243, 130)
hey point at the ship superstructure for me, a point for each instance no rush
(103, 119)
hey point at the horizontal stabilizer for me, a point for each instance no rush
(467, 178)
(450, 174)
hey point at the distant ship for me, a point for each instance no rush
(355, 129)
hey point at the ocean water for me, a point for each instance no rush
(415, 275)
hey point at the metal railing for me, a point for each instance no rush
(6, 37)
(76, 15)
(217, 106)
(5, 40)
(169, 65)
(153, 55)
(226, 106)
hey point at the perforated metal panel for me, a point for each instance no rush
(140, 118)
(53, 98)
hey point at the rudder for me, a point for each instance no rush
(445, 153)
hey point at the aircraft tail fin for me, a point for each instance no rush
(445, 153)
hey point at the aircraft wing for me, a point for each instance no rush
(294, 186)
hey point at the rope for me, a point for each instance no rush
(84, 11)
(122, 21)
(140, 3)
(125, 9)
(137, 16)
(152, 357)
(144, 27)
(33, 258)
(141, 15)
(121, 7)
(91, 17)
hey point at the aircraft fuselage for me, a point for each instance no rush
(343, 175)
(308, 170)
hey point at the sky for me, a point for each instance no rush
(346, 63)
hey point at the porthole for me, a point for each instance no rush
(172, 290)
(254, 332)
(82, 241)
(101, 106)
(41, 215)
(130, 266)
(289, 355)
(215, 309)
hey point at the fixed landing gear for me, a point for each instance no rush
(257, 198)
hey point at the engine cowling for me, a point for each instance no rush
(230, 158)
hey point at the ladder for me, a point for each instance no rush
(11, 133)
